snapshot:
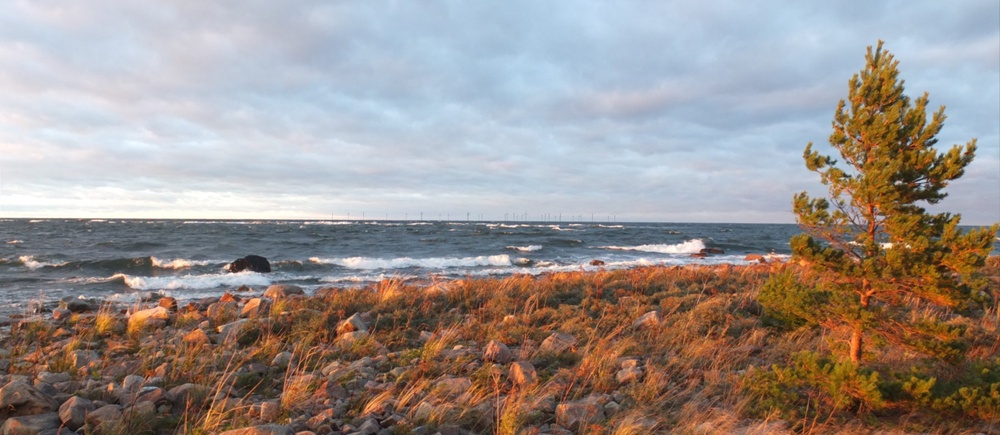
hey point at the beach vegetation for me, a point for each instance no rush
(879, 264)
(646, 350)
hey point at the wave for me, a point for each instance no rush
(123, 265)
(191, 282)
(689, 247)
(15, 242)
(368, 263)
(30, 262)
(529, 248)
(180, 263)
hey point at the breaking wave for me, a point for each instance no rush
(367, 263)
(192, 282)
(689, 247)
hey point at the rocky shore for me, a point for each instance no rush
(639, 351)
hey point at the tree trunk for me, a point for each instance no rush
(856, 345)
(857, 330)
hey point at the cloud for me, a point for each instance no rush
(655, 111)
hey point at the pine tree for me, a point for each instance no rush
(875, 254)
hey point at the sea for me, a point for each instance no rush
(45, 260)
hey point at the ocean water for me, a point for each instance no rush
(121, 260)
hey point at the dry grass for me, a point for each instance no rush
(694, 361)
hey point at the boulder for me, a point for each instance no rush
(104, 418)
(223, 311)
(20, 398)
(78, 305)
(253, 263)
(60, 314)
(73, 412)
(523, 373)
(149, 317)
(647, 320)
(579, 414)
(169, 303)
(38, 424)
(278, 291)
(712, 251)
(755, 258)
(628, 375)
(190, 396)
(558, 342)
(196, 338)
(82, 358)
(256, 307)
(352, 324)
(497, 352)
(597, 262)
(265, 429)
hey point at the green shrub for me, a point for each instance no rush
(788, 303)
(814, 385)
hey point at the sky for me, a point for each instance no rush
(590, 110)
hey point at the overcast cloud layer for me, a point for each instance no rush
(653, 111)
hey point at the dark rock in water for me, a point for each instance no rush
(712, 251)
(597, 262)
(699, 255)
(253, 263)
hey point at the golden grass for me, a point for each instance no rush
(694, 360)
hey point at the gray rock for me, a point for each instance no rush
(196, 338)
(232, 330)
(20, 398)
(352, 324)
(270, 410)
(52, 378)
(73, 412)
(628, 375)
(105, 417)
(351, 337)
(190, 396)
(256, 307)
(578, 414)
(647, 320)
(278, 291)
(497, 352)
(77, 305)
(82, 358)
(523, 373)
(59, 314)
(369, 427)
(39, 424)
(266, 429)
(282, 360)
(452, 387)
(223, 310)
(558, 342)
(156, 317)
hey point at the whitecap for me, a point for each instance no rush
(529, 248)
(179, 263)
(368, 263)
(15, 242)
(689, 247)
(30, 262)
(195, 282)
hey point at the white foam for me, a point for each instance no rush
(367, 263)
(30, 262)
(195, 282)
(529, 248)
(15, 242)
(179, 263)
(689, 247)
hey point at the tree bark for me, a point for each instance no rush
(856, 345)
